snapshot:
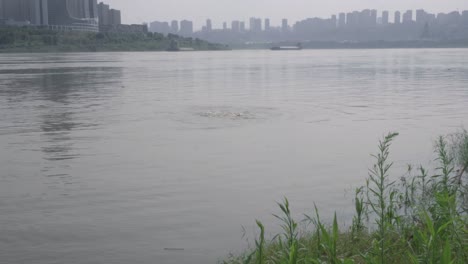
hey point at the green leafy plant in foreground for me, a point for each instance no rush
(381, 196)
(421, 219)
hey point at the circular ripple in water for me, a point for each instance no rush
(214, 117)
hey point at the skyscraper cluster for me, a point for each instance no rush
(365, 25)
(184, 27)
(236, 26)
(72, 14)
(255, 24)
(108, 16)
(356, 19)
(24, 11)
(83, 15)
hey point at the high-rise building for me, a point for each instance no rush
(80, 15)
(284, 25)
(408, 17)
(397, 19)
(267, 24)
(356, 19)
(421, 16)
(174, 26)
(334, 21)
(465, 17)
(258, 25)
(74, 14)
(209, 26)
(349, 19)
(452, 18)
(160, 27)
(385, 16)
(342, 20)
(235, 26)
(115, 17)
(93, 9)
(104, 14)
(252, 23)
(33, 12)
(108, 16)
(225, 26)
(242, 26)
(255, 24)
(186, 28)
(352, 19)
(364, 18)
(373, 17)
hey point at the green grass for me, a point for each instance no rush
(422, 218)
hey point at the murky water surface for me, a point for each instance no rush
(117, 157)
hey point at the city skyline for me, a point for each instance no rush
(342, 19)
(140, 11)
(355, 26)
(80, 15)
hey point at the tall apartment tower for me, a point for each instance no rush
(408, 17)
(397, 17)
(465, 17)
(342, 20)
(255, 24)
(284, 25)
(242, 26)
(385, 16)
(34, 12)
(104, 14)
(75, 14)
(258, 25)
(186, 28)
(174, 26)
(209, 26)
(364, 18)
(251, 24)
(334, 21)
(373, 17)
(115, 17)
(267, 24)
(235, 26)
(421, 16)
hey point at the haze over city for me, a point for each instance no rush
(139, 11)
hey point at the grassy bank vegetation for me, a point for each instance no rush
(29, 39)
(421, 218)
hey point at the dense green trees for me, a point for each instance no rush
(30, 39)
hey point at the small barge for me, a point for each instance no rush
(297, 47)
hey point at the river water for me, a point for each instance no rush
(117, 157)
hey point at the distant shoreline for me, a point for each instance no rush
(53, 49)
(37, 40)
(416, 44)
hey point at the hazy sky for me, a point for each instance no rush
(138, 11)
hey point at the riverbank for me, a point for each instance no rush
(26, 39)
(410, 44)
(422, 218)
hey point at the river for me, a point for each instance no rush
(118, 157)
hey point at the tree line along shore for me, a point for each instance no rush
(29, 39)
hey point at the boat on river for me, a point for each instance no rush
(297, 47)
